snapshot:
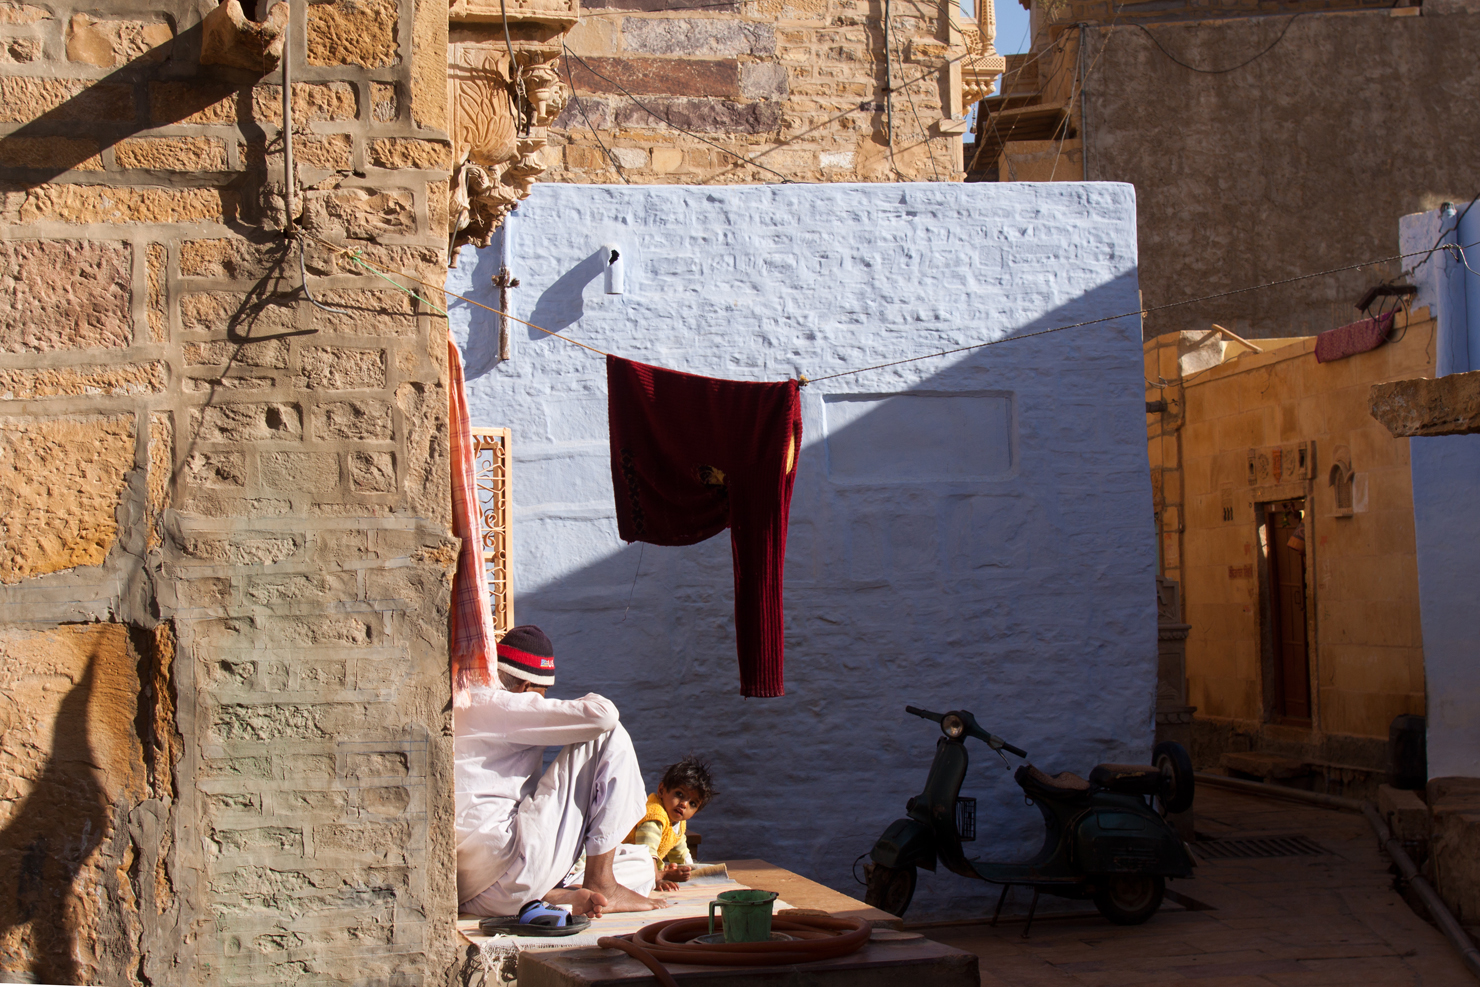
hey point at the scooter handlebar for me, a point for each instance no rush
(972, 728)
(925, 713)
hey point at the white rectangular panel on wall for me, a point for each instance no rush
(919, 437)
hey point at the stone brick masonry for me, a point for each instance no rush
(223, 597)
(795, 85)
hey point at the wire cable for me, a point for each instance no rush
(616, 165)
(657, 116)
(1231, 68)
(1440, 241)
(1112, 318)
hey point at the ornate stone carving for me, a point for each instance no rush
(500, 109)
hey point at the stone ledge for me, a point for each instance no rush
(1421, 406)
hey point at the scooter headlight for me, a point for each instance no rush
(953, 726)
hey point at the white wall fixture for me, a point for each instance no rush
(616, 267)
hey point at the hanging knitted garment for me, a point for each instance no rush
(693, 455)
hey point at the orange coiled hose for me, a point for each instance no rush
(816, 938)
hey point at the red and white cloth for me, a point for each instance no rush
(1354, 338)
(471, 633)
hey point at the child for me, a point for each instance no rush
(685, 789)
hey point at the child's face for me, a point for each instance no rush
(680, 802)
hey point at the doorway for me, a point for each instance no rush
(1284, 600)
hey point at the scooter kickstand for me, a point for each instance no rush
(1031, 909)
(1000, 899)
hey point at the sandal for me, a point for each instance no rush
(536, 918)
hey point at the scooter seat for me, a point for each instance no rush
(1130, 779)
(1064, 781)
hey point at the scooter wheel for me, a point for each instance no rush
(1128, 899)
(890, 889)
(1177, 778)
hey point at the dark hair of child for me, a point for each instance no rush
(691, 773)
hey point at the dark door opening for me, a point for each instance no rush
(1287, 682)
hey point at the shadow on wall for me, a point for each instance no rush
(964, 543)
(50, 837)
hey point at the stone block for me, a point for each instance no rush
(369, 766)
(82, 285)
(216, 469)
(171, 153)
(240, 314)
(667, 160)
(332, 152)
(658, 76)
(21, 50)
(233, 258)
(77, 154)
(631, 158)
(128, 379)
(366, 421)
(272, 839)
(158, 316)
(110, 43)
(383, 104)
(124, 204)
(408, 153)
(697, 36)
(1447, 405)
(372, 472)
(207, 102)
(579, 157)
(382, 840)
(763, 80)
(247, 422)
(334, 368)
(353, 32)
(61, 483)
(22, 13)
(315, 472)
(708, 116)
(361, 214)
(267, 722)
(221, 353)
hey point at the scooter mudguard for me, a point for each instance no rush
(905, 843)
(1129, 839)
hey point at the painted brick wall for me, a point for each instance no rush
(223, 596)
(973, 531)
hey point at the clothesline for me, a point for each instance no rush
(355, 254)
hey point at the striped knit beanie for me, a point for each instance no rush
(525, 652)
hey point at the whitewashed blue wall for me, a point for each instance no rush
(971, 532)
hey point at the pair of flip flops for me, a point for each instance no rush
(537, 918)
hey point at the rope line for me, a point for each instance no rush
(354, 254)
(1125, 315)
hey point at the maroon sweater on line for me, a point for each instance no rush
(693, 455)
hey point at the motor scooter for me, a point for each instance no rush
(1104, 838)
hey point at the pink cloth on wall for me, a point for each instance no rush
(471, 634)
(1349, 340)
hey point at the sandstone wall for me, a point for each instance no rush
(1300, 161)
(223, 594)
(1366, 649)
(751, 76)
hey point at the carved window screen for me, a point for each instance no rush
(491, 461)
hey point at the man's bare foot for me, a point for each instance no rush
(624, 899)
(580, 900)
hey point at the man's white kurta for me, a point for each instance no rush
(515, 824)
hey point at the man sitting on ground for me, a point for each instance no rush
(521, 832)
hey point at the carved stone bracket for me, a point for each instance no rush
(501, 107)
(229, 37)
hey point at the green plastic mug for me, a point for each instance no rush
(747, 915)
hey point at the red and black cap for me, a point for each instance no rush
(525, 652)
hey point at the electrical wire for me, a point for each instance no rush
(1112, 318)
(1440, 241)
(616, 165)
(517, 71)
(1231, 68)
(657, 116)
(354, 254)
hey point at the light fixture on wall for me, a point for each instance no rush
(615, 280)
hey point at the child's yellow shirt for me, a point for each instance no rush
(665, 841)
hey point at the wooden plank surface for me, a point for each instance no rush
(802, 893)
